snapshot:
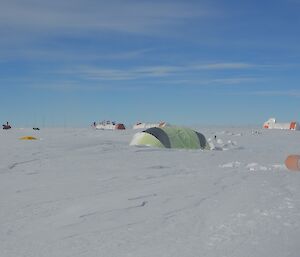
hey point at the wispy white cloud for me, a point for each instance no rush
(292, 93)
(126, 54)
(124, 74)
(233, 80)
(46, 55)
(58, 86)
(123, 16)
(95, 78)
(294, 1)
(225, 66)
(213, 81)
(156, 71)
(106, 74)
(69, 86)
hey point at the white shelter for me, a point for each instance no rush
(109, 125)
(140, 125)
(272, 124)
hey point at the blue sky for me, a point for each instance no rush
(68, 63)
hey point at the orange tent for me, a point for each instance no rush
(292, 162)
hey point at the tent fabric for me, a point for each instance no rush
(202, 140)
(161, 135)
(145, 139)
(171, 137)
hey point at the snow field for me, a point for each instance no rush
(81, 192)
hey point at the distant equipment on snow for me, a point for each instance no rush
(170, 137)
(108, 125)
(141, 125)
(272, 124)
(6, 126)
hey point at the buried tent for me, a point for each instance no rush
(170, 137)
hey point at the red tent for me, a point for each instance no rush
(120, 126)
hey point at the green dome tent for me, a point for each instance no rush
(171, 137)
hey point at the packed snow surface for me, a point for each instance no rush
(87, 193)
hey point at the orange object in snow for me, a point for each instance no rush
(292, 162)
(293, 125)
(28, 138)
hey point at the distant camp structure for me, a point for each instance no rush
(170, 137)
(142, 125)
(272, 124)
(6, 126)
(108, 125)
